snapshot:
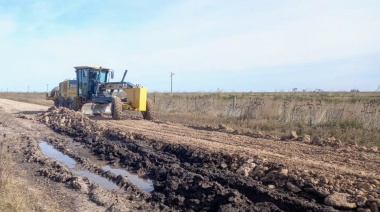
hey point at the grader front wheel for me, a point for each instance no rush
(116, 108)
(149, 113)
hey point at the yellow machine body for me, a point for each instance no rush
(136, 98)
(67, 90)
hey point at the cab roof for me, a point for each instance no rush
(91, 67)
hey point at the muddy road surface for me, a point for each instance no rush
(134, 164)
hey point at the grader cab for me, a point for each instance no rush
(96, 95)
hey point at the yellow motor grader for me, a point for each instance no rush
(92, 93)
(60, 94)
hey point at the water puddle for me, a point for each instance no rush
(50, 151)
(84, 152)
(145, 185)
(97, 179)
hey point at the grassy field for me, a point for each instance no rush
(30, 97)
(343, 115)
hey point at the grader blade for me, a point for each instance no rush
(94, 108)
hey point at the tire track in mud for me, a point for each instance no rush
(109, 199)
(293, 154)
(186, 178)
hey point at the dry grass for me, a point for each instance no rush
(343, 115)
(29, 97)
(16, 193)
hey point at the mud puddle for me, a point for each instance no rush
(84, 152)
(144, 184)
(50, 151)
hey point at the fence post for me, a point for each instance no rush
(234, 103)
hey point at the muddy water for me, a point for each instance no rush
(86, 153)
(145, 185)
(49, 151)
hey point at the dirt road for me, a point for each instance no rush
(195, 168)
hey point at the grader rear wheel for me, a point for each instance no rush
(70, 103)
(149, 113)
(54, 91)
(56, 103)
(59, 102)
(116, 108)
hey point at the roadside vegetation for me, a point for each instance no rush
(345, 116)
(16, 194)
(29, 97)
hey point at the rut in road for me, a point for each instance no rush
(185, 177)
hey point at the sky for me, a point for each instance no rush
(209, 45)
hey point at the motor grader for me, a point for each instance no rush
(92, 93)
(60, 94)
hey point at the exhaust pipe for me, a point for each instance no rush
(125, 73)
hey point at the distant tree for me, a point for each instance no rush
(355, 90)
(295, 89)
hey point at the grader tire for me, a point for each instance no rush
(116, 108)
(54, 91)
(70, 103)
(59, 102)
(56, 103)
(149, 114)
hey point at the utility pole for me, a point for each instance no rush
(171, 82)
(47, 88)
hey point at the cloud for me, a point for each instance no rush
(7, 26)
(191, 38)
(315, 37)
